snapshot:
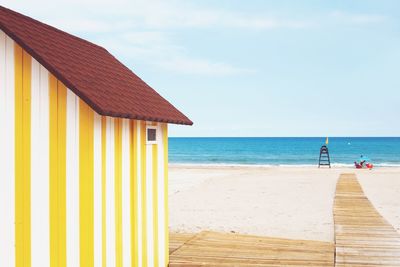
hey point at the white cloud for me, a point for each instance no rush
(105, 15)
(357, 18)
(200, 66)
(138, 30)
(92, 15)
(156, 49)
(82, 25)
(142, 29)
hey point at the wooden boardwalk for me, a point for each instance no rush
(218, 249)
(362, 236)
(177, 240)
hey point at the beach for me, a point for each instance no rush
(288, 202)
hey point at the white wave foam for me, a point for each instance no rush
(337, 165)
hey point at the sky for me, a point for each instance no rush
(252, 68)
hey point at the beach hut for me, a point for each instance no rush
(83, 153)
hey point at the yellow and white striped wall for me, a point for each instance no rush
(76, 188)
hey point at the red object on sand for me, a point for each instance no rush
(370, 165)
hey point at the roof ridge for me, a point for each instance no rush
(51, 27)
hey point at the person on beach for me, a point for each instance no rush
(362, 161)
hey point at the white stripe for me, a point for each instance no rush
(7, 153)
(126, 196)
(110, 194)
(97, 192)
(149, 206)
(72, 179)
(137, 135)
(161, 209)
(40, 205)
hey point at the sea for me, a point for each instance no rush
(283, 151)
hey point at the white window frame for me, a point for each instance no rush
(147, 139)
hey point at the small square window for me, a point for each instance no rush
(151, 135)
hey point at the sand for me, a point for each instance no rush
(383, 190)
(288, 202)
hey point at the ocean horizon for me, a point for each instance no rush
(282, 151)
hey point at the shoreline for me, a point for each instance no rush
(234, 165)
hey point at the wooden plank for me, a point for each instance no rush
(221, 249)
(362, 236)
(176, 240)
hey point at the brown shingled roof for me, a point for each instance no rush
(92, 73)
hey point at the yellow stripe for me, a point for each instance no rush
(58, 120)
(165, 142)
(155, 202)
(26, 132)
(22, 157)
(134, 193)
(103, 188)
(19, 175)
(143, 170)
(86, 190)
(118, 191)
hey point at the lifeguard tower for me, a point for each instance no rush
(324, 159)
